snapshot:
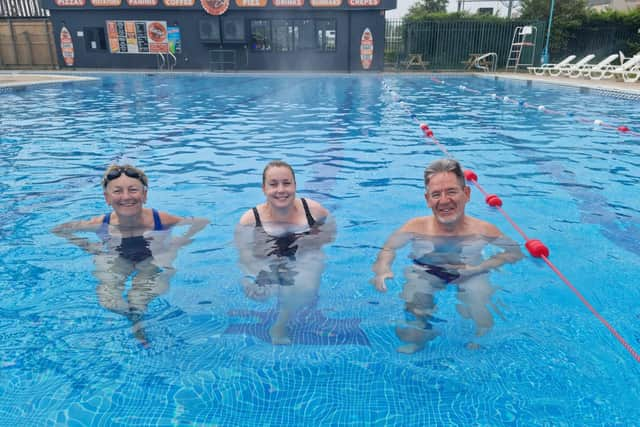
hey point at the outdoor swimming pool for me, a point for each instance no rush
(203, 140)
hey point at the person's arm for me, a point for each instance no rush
(250, 264)
(244, 239)
(510, 254)
(382, 266)
(68, 231)
(195, 226)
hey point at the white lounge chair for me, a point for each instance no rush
(595, 71)
(585, 69)
(567, 69)
(628, 71)
(544, 68)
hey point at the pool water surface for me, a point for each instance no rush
(356, 146)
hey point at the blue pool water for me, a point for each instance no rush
(203, 140)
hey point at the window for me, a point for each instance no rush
(233, 29)
(326, 31)
(294, 34)
(94, 39)
(210, 30)
(261, 35)
(303, 34)
(282, 36)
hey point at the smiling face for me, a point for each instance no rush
(447, 198)
(125, 195)
(279, 187)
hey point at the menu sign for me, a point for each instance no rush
(70, 3)
(288, 3)
(326, 3)
(138, 36)
(142, 3)
(106, 3)
(251, 3)
(178, 3)
(364, 3)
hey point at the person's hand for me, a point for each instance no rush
(379, 280)
(257, 292)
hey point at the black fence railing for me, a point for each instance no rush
(448, 45)
(22, 9)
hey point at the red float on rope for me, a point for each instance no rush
(493, 200)
(536, 248)
(623, 129)
(424, 126)
(470, 175)
(429, 133)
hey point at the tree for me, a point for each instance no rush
(423, 7)
(568, 16)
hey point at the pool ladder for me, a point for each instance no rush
(166, 61)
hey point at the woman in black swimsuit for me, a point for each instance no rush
(134, 243)
(280, 245)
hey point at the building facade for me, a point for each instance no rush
(313, 35)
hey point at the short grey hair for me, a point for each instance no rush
(441, 166)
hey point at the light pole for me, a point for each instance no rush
(545, 52)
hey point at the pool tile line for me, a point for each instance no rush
(536, 248)
(541, 108)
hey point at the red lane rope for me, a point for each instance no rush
(506, 99)
(535, 247)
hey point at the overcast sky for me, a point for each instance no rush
(401, 10)
(404, 5)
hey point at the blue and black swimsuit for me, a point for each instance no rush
(135, 248)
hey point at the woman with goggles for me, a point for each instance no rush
(134, 242)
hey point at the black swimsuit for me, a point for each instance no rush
(135, 248)
(437, 271)
(283, 246)
(280, 272)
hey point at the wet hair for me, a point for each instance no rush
(116, 171)
(442, 166)
(277, 164)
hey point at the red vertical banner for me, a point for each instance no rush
(66, 46)
(366, 49)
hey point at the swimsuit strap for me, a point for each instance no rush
(157, 222)
(257, 215)
(307, 212)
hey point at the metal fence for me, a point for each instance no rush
(447, 45)
(22, 9)
(602, 40)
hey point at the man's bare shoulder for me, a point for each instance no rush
(417, 225)
(484, 228)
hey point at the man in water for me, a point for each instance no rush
(135, 243)
(446, 248)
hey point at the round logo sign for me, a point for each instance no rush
(215, 7)
(157, 32)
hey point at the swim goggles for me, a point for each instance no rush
(116, 172)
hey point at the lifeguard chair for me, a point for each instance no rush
(523, 48)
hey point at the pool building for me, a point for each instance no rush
(312, 35)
